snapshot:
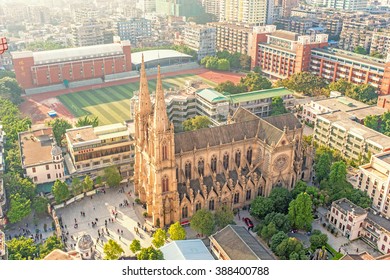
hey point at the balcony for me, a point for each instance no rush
(372, 232)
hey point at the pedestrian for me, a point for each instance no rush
(121, 232)
(117, 230)
(133, 204)
(96, 219)
(75, 220)
(119, 237)
(94, 206)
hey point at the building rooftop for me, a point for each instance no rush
(361, 113)
(212, 95)
(259, 94)
(349, 206)
(343, 120)
(64, 55)
(239, 244)
(385, 157)
(379, 220)
(365, 59)
(136, 58)
(58, 254)
(36, 146)
(193, 249)
(362, 256)
(283, 34)
(342, 103)
(242, 27)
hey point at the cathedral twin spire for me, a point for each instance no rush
(160, 119)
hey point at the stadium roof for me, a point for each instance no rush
(193, 249)
(63, 55)
(259, 94)
(136, 58)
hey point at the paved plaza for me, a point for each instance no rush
(99, 209)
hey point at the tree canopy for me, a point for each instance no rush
(379, 123)
(360, 50)
(112, 176)
(10, 89)
(203, 222)
(277, 106)
(22, 249)
(59, 128)
(261, 206)
(281, 198)
(305, 82)
(251, 82)
(365, 93)
(318, 239)
(159, 238)
(87, 120)
(300, 212)
(177, 232)
(60, 191)
(135, 246)
(112, 250)
(150, 253)
(195, 123)
(223, 217)
(53, 242)
(20, 207)
(291, 249)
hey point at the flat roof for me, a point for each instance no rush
(385, 157)
(352, 56)
(36, 146)
(193, 249)
(381, 221)
(212, 95)
(259, 94)
(283, 34)
(63, 55)
(350, 206)
(342, 103)
(367, 111)
(343, 119)
(136, 58)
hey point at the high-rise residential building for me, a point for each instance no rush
(347, 5)
(38, 14)
(146, 6)
(295, 24)
(257, 12)
(201, 38)
(287, 6)
(88, 33)
(84, 14)
(212, 7)
(380, 43)
(179, 8)
(332, 24)
(281, 53)
(134, 29)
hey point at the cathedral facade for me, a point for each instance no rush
(176, 174)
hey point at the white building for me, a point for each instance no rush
(42, 159)
(246, 11)
(201, 38)
(348, 5)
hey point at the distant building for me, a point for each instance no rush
(146, 6)
(236, 243)
(42, 159)
(193, 249)
(246, 11)
(374, 179)
(295, 24)
(163, 58)
(91, 149)
(2, 170)
(384, 101)
(339, 131)
(37, 69)
(88, 33)
(355, 222)
(212, 7)
(134, 29)
(380, 43)
(201, 38)
(178, 8)
(83, 13)
(348, 5)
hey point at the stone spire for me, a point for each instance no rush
(161, 122)
(144, 102)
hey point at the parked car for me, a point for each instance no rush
(248, 222)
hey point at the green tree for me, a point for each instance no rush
(223, 217)
(305, 82)
(277, 239)
(281, 198)
(365, 93)
(10, 89)
(77, 186)
(360, 50)
(254, 81)
(53, 242)
(7, 73)
(223, 65)
(15, 184)
(322, 167)
(318, 239)
(377, 55)
(39, 204)
(261, 206)
(277, 106)
(300, 187)
(22, 249)
(177, 232)
(112, 176)
(59, 128)
(197, 122)
(135, 246)
(44, 46)
(87, 184)
(257, 69)
(230, 88)
(150, 253)
(372, 122)
(203, 222)
(159, 238)
(338, 172)
(20, 207)
(290, 248)
(268, 231)
(60, 191)
(300, 212)
(341, 85)
(281, 221)
(245, 62)
(112, 250)
(86, 120)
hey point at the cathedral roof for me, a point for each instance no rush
(288, 120)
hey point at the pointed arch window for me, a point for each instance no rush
(248, 195)
(165, 182)
(238, 158)
(236, 198)
(249, 155)
(198, 206)
(226, 161)
(211, 205)
(188, 170)
(184, 212)
(201, 167)
(164, 151)
(214, 164)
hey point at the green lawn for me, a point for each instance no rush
(112, 104)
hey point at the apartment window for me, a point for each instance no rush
(96, 163)
(350, 219)
(34, 170)
(385, 238)
(48, 176)
(47, 167)
(35, 178)
(164, 151)
(55, 166)
(383, 247)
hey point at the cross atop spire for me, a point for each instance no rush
(161, 122)
(144, 102)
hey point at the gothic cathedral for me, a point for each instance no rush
(176, 174)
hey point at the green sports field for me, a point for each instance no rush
(112, 104)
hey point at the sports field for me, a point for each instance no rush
(112, 104)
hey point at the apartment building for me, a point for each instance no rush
(88, 33)
(2, 170)
(283, 53)
(288, 5)
(201, 38)
(384, 101)
(335, 64)
(246, 11)
(355, 222)
(134, 29)
(374, 179)
(84, 13)
(212, 7)
(295, 24)
(348, 5)
(42, 159)
(380, 43)
(37, 69)
(91, 149)
(332, 24)
(339, 131)
(304, 13)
